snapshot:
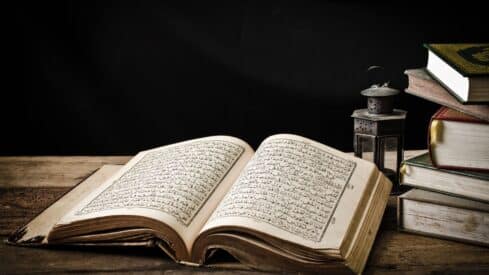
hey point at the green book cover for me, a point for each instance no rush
(467, 59)
(424, 161)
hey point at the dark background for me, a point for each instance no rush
(119, 77)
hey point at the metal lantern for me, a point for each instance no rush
(379, 131)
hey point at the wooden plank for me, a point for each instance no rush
(23, 260)
(397, 250)
(19, 205)
(51, 171)
(421, 255)
(396, 258)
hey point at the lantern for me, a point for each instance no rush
(379, 131)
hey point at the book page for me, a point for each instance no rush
(297, 190)
(179, 184)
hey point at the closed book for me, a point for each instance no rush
(438, 215)
(419, 172)
(462, 68)
(458, 141)
(421, 84)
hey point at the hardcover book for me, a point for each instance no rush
(419, 172)
(458, 141)
(422, 85)
(442, 216)
(462, 68)
(294, 204)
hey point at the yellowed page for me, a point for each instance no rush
(179, 184)
(298, 190)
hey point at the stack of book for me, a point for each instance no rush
(450, 194)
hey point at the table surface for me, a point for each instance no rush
(30, 184)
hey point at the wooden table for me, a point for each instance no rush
(29, 184)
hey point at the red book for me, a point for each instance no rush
(458, 141)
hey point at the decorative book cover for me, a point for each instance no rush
(467, 59)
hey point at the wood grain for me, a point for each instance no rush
(19, 205)
(21, 199)
(51, 171)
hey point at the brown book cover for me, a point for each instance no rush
(435, 129)
(422, 85)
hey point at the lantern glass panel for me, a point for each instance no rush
(367, 145)
(390, 154)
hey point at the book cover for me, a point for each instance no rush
(458, 141)
(420, 173)
(467, 59)
(424, 161)
(449, 114)
(422, 85)
(441, 216)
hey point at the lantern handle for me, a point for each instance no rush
(376, 76)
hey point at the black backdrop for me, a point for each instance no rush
(118, 77)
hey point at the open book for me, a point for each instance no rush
(295, 204)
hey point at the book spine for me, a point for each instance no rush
(435, 128)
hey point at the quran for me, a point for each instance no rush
(294, 204)
(463, 69)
